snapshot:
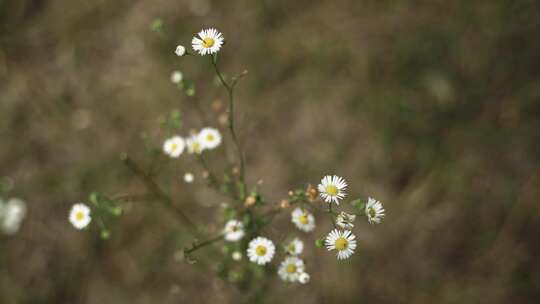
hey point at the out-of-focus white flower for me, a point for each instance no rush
(234, 231)
(194, 145)
(180, 51)
(12, 214)
(295, 247)
(79, 216)
(290, 269)
(174, 146)
(342, 241)
(332, 189)
(374, 211)
(237, 255)
(207, 41)
(188, 177)
(303, 220)
(177, 77)
(303, 278)
(345, 220)
(209, 138)
(261, 250)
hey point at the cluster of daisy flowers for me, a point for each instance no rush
(261, 251)
(12, 213)
(196, 143)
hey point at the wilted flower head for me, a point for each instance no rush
(345, 220)
(207, 41)
(194, 144)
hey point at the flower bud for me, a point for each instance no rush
(180, 51)
(250, 201)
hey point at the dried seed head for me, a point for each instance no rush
(284, 204)
(291, 193)
(312, 193)
(236, 171)
(217, 105)
(205, 174)
(250, 201)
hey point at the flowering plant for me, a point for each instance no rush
(248, 251)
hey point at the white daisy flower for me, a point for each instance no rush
(290, 269)
(237, 255)
(303, 278)
(303, 220)
(295, 247)
(79, 216)
(180, 51)
(207, 41)
(176, 77)
(209, 138)
(374, 211)
(194, 145)
(11, 215)
(342, 241)
(188, 177)
(345, 220)
(261, 250)
(174, 146)
(234, 231)
(332, 189)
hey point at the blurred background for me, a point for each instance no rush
(432, 107)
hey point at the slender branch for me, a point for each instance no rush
(211, 177)
(203, 244)
(230, 93)
(158, 192)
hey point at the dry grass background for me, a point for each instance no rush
(432, 107)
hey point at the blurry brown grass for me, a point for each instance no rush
(433, 108)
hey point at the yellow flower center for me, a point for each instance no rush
(79, 216)
(372, 212)
(303, 219)
(260, 250)
(291, 268)
(210, 137)
(174, 147)
(331, 190)
(208, 42)
(341, 244)
(196, 147)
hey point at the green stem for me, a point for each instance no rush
(158, 192)
(230, 94)
(203, 244)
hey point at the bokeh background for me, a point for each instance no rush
(433, 107)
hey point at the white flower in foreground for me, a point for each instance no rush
(194, 145)
(342, 241)
(303, 278)
(79, 216)
(295, 247)
(237, 255)
(234, 231)
(332, 189)
(188, 177)
(209, 138)
(207, 41)
(174, 146)
(345, 220)
(374, 211)
(176, 77)
(303, 220)
(11, 215)
(290, 269)
(261, 250)
(180, 51)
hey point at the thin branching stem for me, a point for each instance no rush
(202, 244)
(230, 94)
(153, 187)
